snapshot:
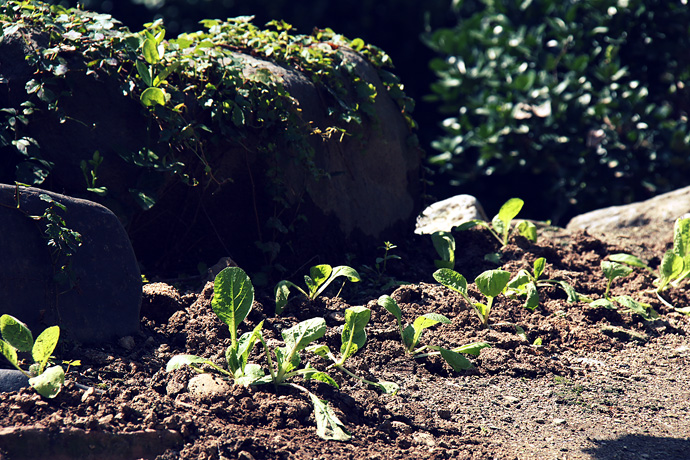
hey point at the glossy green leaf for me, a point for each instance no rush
(15, 333)
(451, 279)
(9, 352)
(492, 282)
(152, 96)
(233, 296)
(457, 361)
(391, 305)
(472, 348)
(178, 361)
(528, 230)
(49, 383)
(282, 293)
(444, 243)
(539, 266)
(328, 426)
(150, 51)
(45, 345)
(629, 259)
(144, 73)
(302, 334)
(613, 270)
(354, 335)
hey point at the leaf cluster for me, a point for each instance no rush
(319, 278)
(16, 337)
(500, 226)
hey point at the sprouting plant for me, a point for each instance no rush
(411, 334)
(90, 170)
(675, 264)
(500, 225)
(319, 278)
(353, 339)
(232, 301)
(526, 284)
(491, 283)
(287, 360)
(16, 337)
(381, 263)
(444, 243)
(612, 271)
(233, 296)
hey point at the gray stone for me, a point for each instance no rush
(12, 380)
(653, 218)
(446, 214)
(103, 304)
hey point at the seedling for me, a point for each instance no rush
(613, 270)
(16, 337)
(379, 269)
(411, 334)
(233, 296)
(444, 243)
(232, 301)
(526, 284)
(353, 339)
(319, 278)
(500, 226)
(491, 283)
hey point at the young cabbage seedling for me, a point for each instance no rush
(526, 284)
(675, 264)
(444, 243)
(232, 301)
(17, 337)
(319, 278)
(233, 296)
(491, 283)
(411, 334)
(500, 224)
(613, 270)
(353, 339)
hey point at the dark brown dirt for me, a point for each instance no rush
(604, 384)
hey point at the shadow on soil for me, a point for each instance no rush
(642, 447)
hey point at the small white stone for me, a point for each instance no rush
(446, 214)
(207, 385)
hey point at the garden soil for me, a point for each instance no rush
(604, 384)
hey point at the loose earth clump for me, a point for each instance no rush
(603, 384)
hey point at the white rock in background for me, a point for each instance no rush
(446, 214)
(646, 217)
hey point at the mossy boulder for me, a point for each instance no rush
(232, 141)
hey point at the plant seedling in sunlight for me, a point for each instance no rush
(16, 337)
(500, 226)
(411, 334)
(526, 284)
(353, 339)
(444, 243)
(491, 283)
(319, 278)
(379, 269)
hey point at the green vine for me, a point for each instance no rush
(196, 88)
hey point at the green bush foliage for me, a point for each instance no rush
(588, 97)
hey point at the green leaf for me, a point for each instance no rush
(302, 334)
(152, 96)
(470, 224)
(492, 282)
(532, 301)
(457, 361)
(45, 345)
(629, 259)
(613, 270)
(528, 230)
(452, 280)
(160, 78)
(444, 243)
(681, 244)
(15, 333)
(391, 305)
(321, 350)
(425, 321)
(603, 303)
(49, 383)
(144, 73)
(252, 373)
(408, 335)
(342, 270)
(642, 309)
(354, 335)
(321, 377)
(520, 281)
(282, 293)
(9, 352)
(178, 361)
(238, 355)
(472, 348)
(539, 266)
(233, 296)
(507, 213)
(520, 332)
(328, 426)
(145, 200)
(573, 296)
(150, 50)
(389, 388)
(319, 275)
(670, 268)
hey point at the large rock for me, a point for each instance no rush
(105, 300)
(372, 189)
(651, 220)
